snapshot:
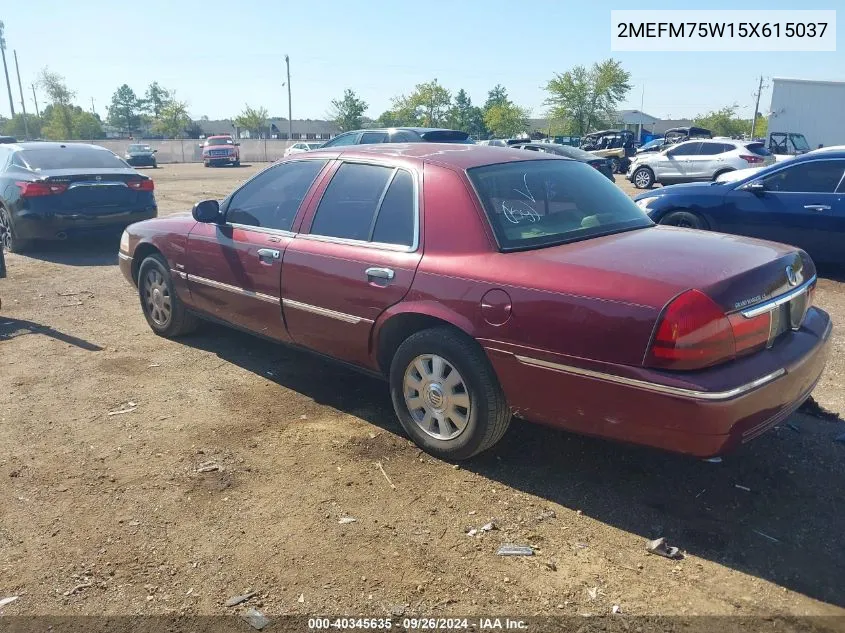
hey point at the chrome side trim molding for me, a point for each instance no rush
(771, 304)
(179, 273)
(340, 316)
(652, 386)
(124, 257)
(235, 289)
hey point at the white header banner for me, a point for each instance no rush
(723, 30)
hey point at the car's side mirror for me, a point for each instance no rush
(207, 211)
(155, 151)
(755, 187)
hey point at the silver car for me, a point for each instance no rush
(697, 160)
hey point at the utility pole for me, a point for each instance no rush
(290, 118)
(35, 99)
(20, 89)
(93, 111)
(6, 70)
(756, 107)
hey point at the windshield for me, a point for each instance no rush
(219, 141)
(71, 158)
(313, 145)
(536, 203)
(653, 143)
(140, 148)
(799, 141)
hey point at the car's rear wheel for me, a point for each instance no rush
(643, 178)
(164, 311)
(446, 394)
(684, 219)
(615, 165)
(10, 241)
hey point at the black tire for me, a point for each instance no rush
(684, 219)
(170, 324)
(204, 164)
(11, 242)
(615, 165)
(643, 178)
(487, 415)
(237, 163)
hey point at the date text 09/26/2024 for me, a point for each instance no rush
(417, 624)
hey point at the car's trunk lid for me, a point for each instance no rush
(94, 191)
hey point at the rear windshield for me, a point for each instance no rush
(758, 148)
(219, 141)
(536, 203)
(446, 136)
(574, 152)
(71, 157)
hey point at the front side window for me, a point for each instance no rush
(368, 203)
(271, 199)
(818, 176)
(711, 149)
(539, 203)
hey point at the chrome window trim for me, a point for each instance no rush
(332, 314)
(366, 243)
(771, 304)
(652, 386)
(261, 229)
(235, 289)
(787, 166)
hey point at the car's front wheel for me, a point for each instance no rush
(164, 311)
(684, 219)
(643, 178)
(446, 394)
(615, 165)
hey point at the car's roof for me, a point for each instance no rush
(453, 155)
(418, 130)
(54, 145)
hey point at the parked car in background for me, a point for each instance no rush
(399, 135)
(494, 142)
(220, 150)
(799, 202)
(601, 164)
(297, 148)
(483, 283)
(8, 139)
(696, 160)
(57, 191)
(141, 155)
(674, 136)
(787, 144)
(737, 174)
(615, 145)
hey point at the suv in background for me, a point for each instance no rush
(399, 135)
(220, 150)
(697, 160)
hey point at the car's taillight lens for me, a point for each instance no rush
(141, 185)
(38, 189)
(751, 160)
(693, 333)
(751, 334)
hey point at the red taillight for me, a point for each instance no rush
(751, 160)
(141, 185)
(40, 188)
(693, 333)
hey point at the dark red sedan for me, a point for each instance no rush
(486, 283)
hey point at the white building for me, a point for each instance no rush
(815, 109)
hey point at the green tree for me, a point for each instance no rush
(467, 117)
(155, 98)
(125, 109)
(348, 112)
(497, 96)
(15, 126)
(724, 122)
(173, 119)
(389, 118)
(588, 98)
(506, 120)
(761, 126)
(252, 119)
(86, 125)
(431, 103)
(60, 124)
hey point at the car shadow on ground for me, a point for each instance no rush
(13, 328)
(775, 509)
(85, 251)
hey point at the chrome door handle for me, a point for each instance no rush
(817, 207)
(268, 253)
(380, 273)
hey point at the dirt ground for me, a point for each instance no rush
(126, 513)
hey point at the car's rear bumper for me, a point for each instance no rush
(703, 413)
(56, 226)
(141, 162)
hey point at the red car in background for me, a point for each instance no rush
(221, 150)
(484, 284)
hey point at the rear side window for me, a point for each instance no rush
(445, 136)
(367, 203)
(818, 176)
(687, 149)
(368, 138)
(711, 149)
(71, 157)
(271, 199)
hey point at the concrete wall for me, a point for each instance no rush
(188, 150)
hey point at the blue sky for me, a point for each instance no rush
(220, 55)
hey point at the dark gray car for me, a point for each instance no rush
(141, 155)
(399, 135)
(601, 164)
